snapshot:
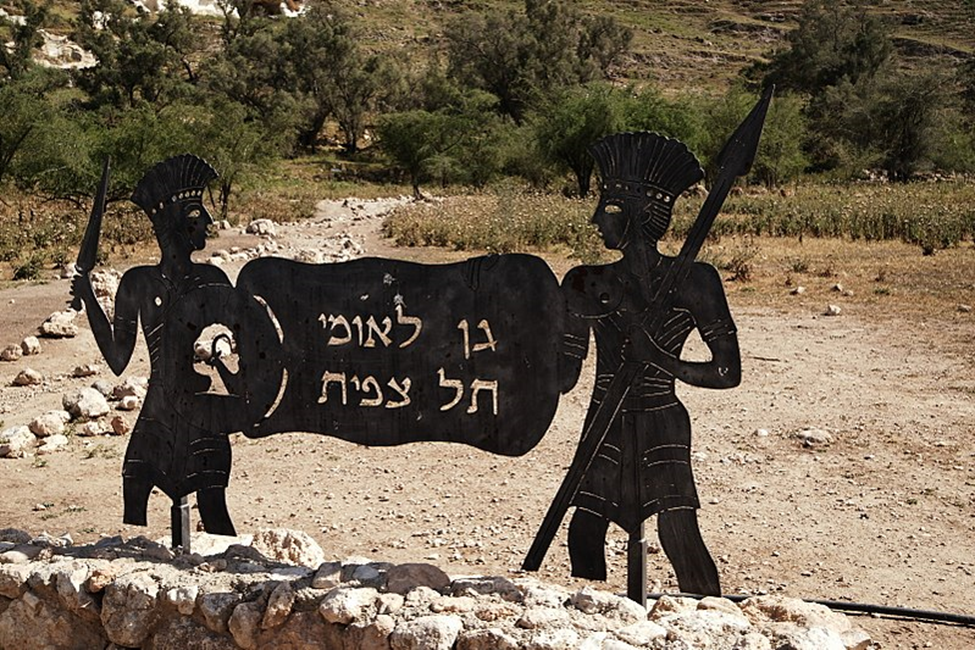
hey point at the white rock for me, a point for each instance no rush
(134, 386)
(814, 437)
(91, 429)
(426, 633)
(641, 634)
(60, 324)
(86, 370)
(16, 442)
(183, 598)
(832, 310)
(28, 377)
(52, 444)
(798, 291)
(11, 353)
(49, 424)
(30, 346)
(263, 227)
(129, 403)
(291, 546)
(345, 605)
(85, 403)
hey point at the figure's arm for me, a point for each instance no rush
(115, 339)
(575, 347)
(716, 327)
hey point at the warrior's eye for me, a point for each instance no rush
(194, 213)
(612, 208)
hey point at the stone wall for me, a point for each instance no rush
(275, 591)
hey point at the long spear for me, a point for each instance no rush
(734, 160)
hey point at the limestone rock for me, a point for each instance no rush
(13, 580)
(85, 403)
(52, 444)
(814, 437)
(49, 424)
(11, 353)
(704, 628)
(134, 386)
(103, 387)
(86, 370)
(503, 587)
(129, 403)
(16, 442)
(345, 605)
(244, 625)
(91, 429)
(401, 578)
(30, 622)
(329, 575)
(426, 633)
(263, 227)
(28, 377)
(60, 325)
(593, 601)
(279, 605)
(129, 608)
(642, 633)
(182, 633)
(291, 546)
(30, 346)
(832, 310)
(486, 639)
(183, 598)
(217, 608)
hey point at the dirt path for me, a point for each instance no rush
(884, 513)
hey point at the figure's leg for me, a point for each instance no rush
(212, 502)
(587, 545)
(136, 486)
(681, 540)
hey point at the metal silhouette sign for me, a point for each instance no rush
(633, 459)
(386, 352)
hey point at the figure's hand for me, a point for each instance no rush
(81, 289)
(216, 351)
(642, 347)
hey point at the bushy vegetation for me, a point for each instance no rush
(513, 95)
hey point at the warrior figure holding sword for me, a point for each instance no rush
(642, 466)
(171, 446)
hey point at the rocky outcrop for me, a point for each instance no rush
(135, 593)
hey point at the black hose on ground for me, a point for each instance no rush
(923, 615)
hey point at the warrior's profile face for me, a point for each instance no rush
(615, 219)
(183, 224)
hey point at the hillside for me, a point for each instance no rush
(692, 43)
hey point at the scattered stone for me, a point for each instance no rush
(132, 386)
(183, 598)
(11, 353)
(832, 310)
(16, 442)
(965, 309)
(85, 403)
(838, 288)
(49, 424)
(119, 426)
(60, 325)
(87, 370)
(92, 429)
(814, 437)
(798, 291)
(761, 433)
(263, 227)
(129, 403)
(30, 346)
(103, 387)
(28, 377)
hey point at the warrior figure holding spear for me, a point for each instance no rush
(642, 466)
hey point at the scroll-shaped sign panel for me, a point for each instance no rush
(385, 352)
